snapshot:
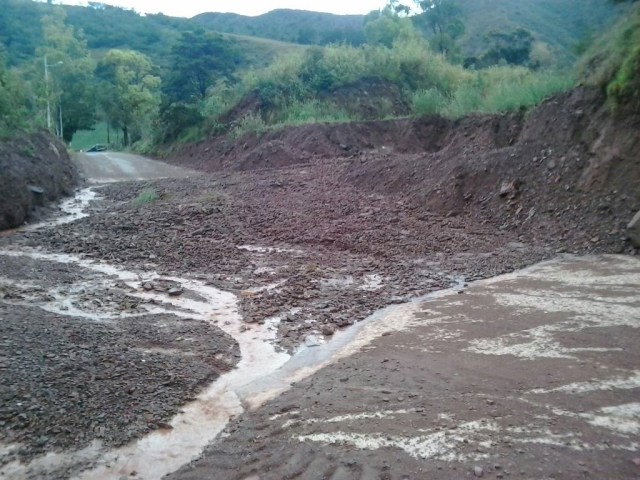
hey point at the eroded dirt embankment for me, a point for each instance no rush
(570, 167)
(35, 169)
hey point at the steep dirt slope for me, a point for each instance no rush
(569, 168)
(34, 170)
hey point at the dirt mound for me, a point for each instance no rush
(303, 144)
(34, 170)
(569, 167)
(366, 99)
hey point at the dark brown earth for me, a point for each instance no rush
(68, 380)
(35, 170)
(416, 402)
(353, 218)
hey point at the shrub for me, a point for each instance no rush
(147, 195)
(250, 123)
(429, 102)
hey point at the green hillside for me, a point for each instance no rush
(107, 27)
(296, 26)
(562, 24)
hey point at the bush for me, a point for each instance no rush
(429, 102)
(250, 123)
(613, 62)
(148, 195)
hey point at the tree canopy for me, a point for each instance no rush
(129, 92)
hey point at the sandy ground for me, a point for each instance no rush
(528, 375)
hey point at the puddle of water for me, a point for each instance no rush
(259, 249)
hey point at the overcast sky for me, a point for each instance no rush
(189, 8)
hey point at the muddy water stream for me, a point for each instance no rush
(262, 373)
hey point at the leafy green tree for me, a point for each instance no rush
(198, 60)
(512, 48)
(67, 85)
(14, 109)
(129, 92)
(385, 29)
(442, 20)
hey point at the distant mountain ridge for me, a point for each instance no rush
(295, 26)
(560, 23)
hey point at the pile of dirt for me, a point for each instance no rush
(35, 169)
(301, 145)
(569, 167)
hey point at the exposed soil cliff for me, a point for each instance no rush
(34, 170)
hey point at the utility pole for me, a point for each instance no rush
(48, 93)
(61, 127)
(46, 86)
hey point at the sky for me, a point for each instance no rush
(189, 8)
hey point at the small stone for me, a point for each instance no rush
(312, 341)
(478, 471)
(508, 188)
(175, 292)
(328, 330)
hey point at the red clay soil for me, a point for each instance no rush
(569, 166)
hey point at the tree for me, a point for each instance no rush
(443, 20)
(67, 85)
(13, 100)
(129, 92)
(198, 60)
(513, 48)
(385, 26)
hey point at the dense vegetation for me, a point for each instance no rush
(155, 79)
(558, 24)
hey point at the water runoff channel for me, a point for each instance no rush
(262, 373)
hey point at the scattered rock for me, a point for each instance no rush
(509, 188)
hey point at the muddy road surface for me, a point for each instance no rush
(109, 167)
(283, 323)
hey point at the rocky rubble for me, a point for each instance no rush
(82, 360)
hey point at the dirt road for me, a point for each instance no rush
(108, 167)
(529, 375)
(134, 334)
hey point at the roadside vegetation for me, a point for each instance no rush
(177, 81)
(613, 62)
(146, 196)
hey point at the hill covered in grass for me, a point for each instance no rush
(296, 26)
(105, 27)
(562, 24)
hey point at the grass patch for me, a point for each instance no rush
(146, 196)
(85, 139)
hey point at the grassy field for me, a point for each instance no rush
(85, 139)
